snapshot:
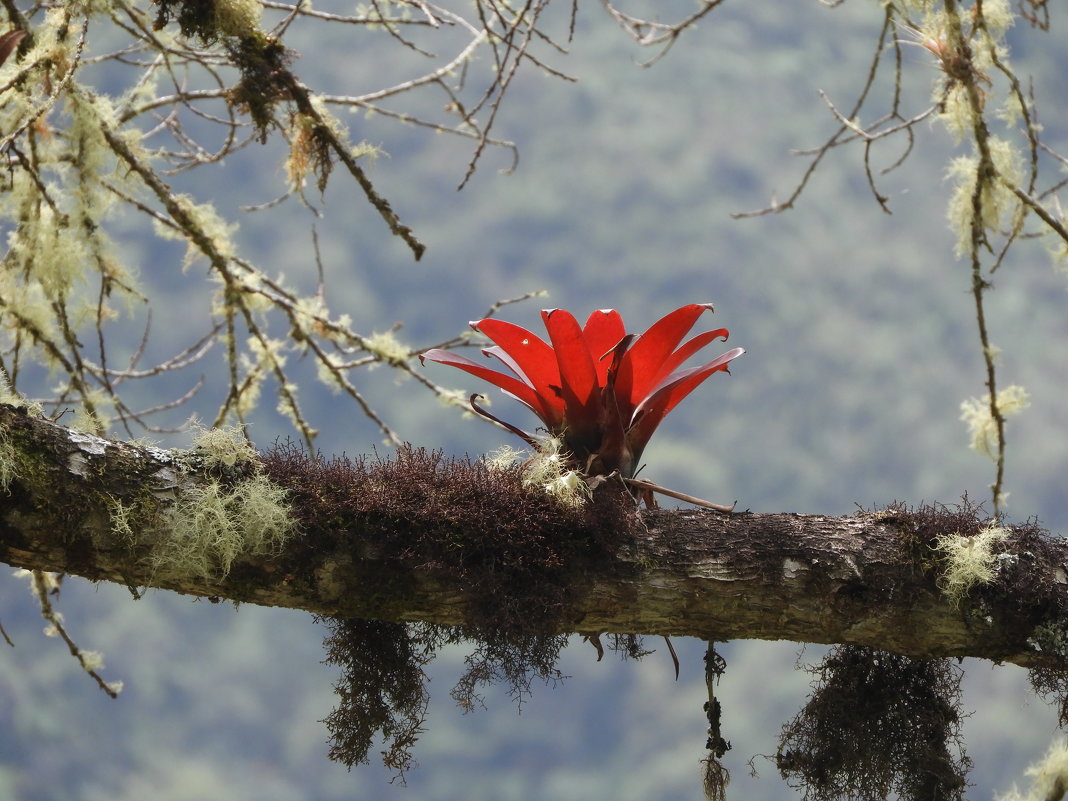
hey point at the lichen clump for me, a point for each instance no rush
(982, 428)
(969, 561)
(237, 511)
(1049, 777)
(212, 526)
(547, 468)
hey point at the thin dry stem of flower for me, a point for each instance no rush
(645, 484)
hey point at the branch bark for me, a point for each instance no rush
(865, 579)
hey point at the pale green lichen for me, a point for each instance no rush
(9, 461)
(265, 356)
(505, 457)
(546, 469)
(12, 398)
(206, 222)
(387, 348)
(957, 114)
(287, 407)
(223, 447)
(998, 16)
(982, 428)
(210, 527)
(968, 561)
(123, 519)
(92, 660)
(458, 398)
(89, 416)
(1049, 777)
(328, 371)
(61, 275)
(255, 293)
(998, 205)
(239, 18)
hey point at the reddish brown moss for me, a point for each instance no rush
(877, 723)
(514, 549)
(381, 691)
(517, 552)
(1027, 594)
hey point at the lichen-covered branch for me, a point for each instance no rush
(422, 538)
(88, 165)
(981, 101)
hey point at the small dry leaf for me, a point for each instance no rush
(8, 42)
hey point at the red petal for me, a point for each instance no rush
(686, 351)
(677, 386)
(554, 404)
(500, 353)
(666, 396)
(513, 386)
(535, 358)
(642, 366)
(603, 331)
(578, 377)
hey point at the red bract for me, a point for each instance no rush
(600, 389)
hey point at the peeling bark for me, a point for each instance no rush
(811, 578)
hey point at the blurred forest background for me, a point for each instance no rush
(860, 332)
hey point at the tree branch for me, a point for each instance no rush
(868, 579)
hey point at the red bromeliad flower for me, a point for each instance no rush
(601, 390)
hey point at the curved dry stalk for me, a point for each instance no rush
(646, 486)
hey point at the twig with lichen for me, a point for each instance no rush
(44, 585)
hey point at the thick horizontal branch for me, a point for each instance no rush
(870, 579)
